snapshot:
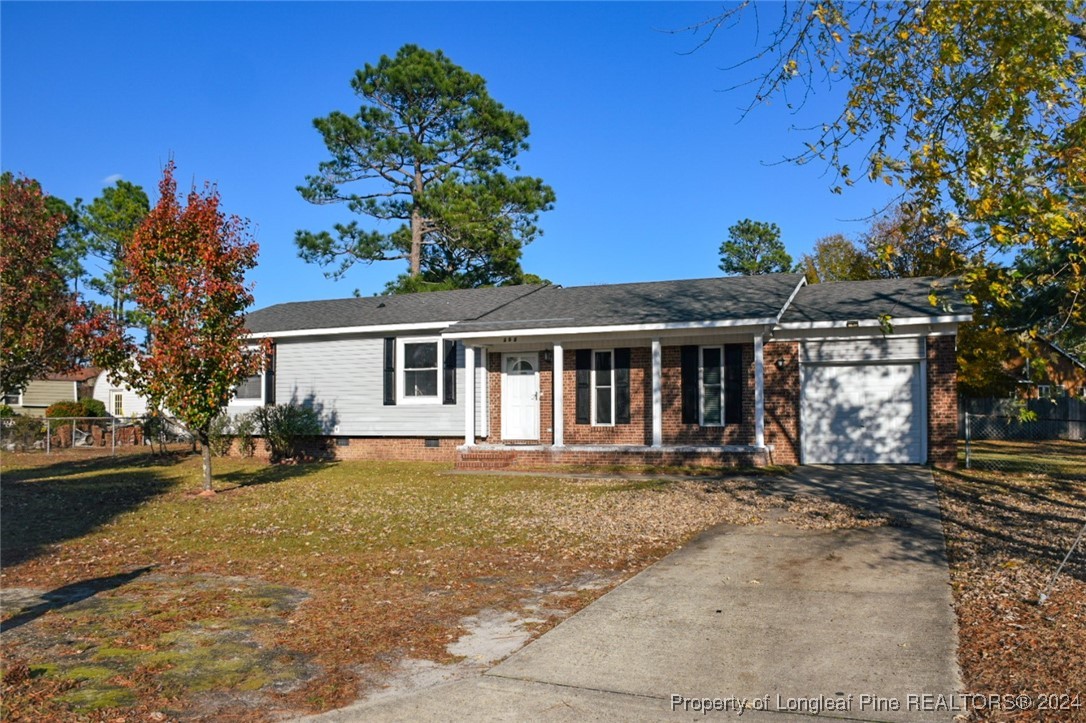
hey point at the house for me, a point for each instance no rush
(120, 399)
(1060, 373)
(40, 393)
(751, 370)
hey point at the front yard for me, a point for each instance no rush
(297, 588)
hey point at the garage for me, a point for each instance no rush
(862, 401)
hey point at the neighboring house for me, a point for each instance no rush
(1062, 374)
(120, 400)
(40, 393)
(753, 370)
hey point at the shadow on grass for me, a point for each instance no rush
(42, 467)
(70, 594)
(39, 510)
(268, 474)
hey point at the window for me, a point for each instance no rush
(11, 399)
(712, 386)
(603, 387)
(250, 390)
(420, 377)
(118, 404)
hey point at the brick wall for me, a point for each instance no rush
(782, 401)
(638, 431)
(675, 432)
(411, 449)
(942, 402)
(543, 459)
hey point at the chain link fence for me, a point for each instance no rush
(90, 435)
(1043, 446)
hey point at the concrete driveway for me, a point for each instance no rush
(758, 623)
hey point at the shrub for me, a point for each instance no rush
(285, 428)
(64, 409)
(6, 411)
(220, 435)
(24, 431)
(93, 407)
(244, 426)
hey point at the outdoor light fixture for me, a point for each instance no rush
(852, 324)
(780, 363)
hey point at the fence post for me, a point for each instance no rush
(967, 441)
(48, 436)
(113, 436)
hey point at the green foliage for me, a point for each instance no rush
(108, 224)
(220, 435)
(26, 431)
(835, 258)
(973, 109)
(6, 411)
(93, 408)
(754, 247)
(427, 148)
(286, 428)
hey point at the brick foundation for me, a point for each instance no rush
(404, 449)
(588, 458)
(942, 402)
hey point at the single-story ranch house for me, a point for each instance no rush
(751, 370)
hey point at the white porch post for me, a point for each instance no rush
(759, 392)
(657, 396)
(469, 395)
(559, 424)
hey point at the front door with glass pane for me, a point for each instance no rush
(520, 396)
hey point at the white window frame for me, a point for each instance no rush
(401, 397)
(19, 399)
(701, 387)
(593, 388)
(113, 394)
(237, 402)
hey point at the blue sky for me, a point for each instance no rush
(645, 150)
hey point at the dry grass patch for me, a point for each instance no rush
(295, 584)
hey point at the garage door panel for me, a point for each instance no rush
(862, 413)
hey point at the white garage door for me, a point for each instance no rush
(863, 414)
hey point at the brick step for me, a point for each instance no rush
(492, 459)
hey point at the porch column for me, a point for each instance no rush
(759, 392)
(557, 400)
(469, 395)
(657, 396)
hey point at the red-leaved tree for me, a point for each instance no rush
(186, 269)
(42, 323)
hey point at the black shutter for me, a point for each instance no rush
(584, 386)
(690, 384)
(390, 370)
(622, 386)
(450, 372)
(733, 383)
(269, 376)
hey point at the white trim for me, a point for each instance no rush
(469, 395)
(701, 386)
(791, 298)
(617, 328)
(852, 324)
(592, 387)
(741, 448)
(759, 393)
(113, 394)
(657, 394)
(338, 330)
(401, 398)
(557, 381)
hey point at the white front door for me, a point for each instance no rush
(520, 396)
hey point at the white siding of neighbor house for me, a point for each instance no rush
(133, 405)
(342, 379)
(876, 349)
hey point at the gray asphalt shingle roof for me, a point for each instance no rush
(654, 302)
(900, 298)
(433, 306)
(732, 298)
